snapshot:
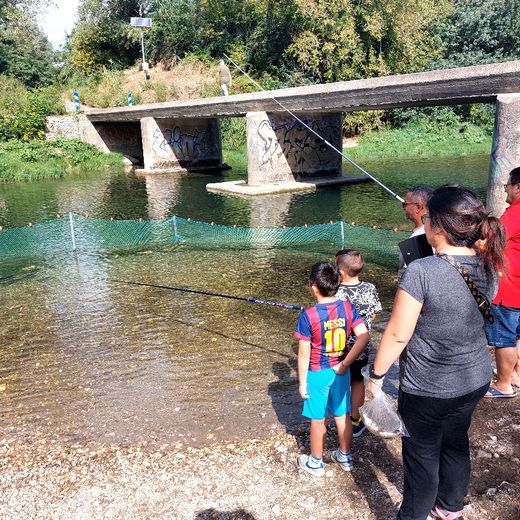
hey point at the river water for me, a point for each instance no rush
(84, 359)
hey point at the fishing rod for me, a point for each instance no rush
(219, 295)
(344, 155)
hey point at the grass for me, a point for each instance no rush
(410, 141)
(34, 160)
(423, 139)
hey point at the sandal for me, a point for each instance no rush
(443, 514)
(495, 393)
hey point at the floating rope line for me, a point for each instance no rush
(344, 155)
(219, 295)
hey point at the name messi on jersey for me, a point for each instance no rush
(334, 324)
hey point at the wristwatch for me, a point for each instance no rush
(373, 375)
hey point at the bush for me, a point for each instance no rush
(23, 112)
(233, 132)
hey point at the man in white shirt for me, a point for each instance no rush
(414, 207)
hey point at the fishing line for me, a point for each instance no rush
(345, 156)
(219, 295)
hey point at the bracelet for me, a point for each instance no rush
(373, 375)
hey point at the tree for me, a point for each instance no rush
(480, 31)
(175, 31)
(103, 36)
(25, 52)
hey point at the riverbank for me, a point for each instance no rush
(34, 160)
(423, 139)
(254, 479)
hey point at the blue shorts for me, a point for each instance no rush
(328, 391)
(505, 330)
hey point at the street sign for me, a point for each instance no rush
(141, 22)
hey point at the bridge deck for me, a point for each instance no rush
(476, 84)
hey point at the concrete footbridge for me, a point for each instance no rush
(282, 154)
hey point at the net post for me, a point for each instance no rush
(72, 231)
(342, 229)
(175, 232)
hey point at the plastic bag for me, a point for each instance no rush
(381, 417)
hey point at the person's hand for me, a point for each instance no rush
(340, 368)
(373, 386)
(302, 389)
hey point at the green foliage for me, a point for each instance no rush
(32, 160)
(233, 132)
(22, 112)
(175, 31)
(445, 134)
(480, 31)
(25, 52)
(103, 36)
(104, 89)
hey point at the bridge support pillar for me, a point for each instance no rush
(181, 144)
(505, 153)
(280, 149)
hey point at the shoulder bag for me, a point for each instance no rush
(482, 302)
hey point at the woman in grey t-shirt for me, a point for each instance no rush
(438, 331)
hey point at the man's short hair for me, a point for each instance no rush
(421, 194)
(325, 277)
(514, 175)
(350, 261)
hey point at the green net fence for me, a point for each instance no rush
(77, 233)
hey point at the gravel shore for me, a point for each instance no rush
(254, 479)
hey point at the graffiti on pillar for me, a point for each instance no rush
(185, 146)
(302, 150)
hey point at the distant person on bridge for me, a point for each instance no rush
(224, 76)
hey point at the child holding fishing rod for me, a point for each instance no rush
(323, 366)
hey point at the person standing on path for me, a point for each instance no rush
(438, 332)
(224, 76)
(414, 207)
(504, 332)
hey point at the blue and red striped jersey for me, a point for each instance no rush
(327, 326)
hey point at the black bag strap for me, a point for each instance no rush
(482, 302)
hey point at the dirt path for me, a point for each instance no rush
(255, 479)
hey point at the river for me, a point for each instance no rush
(84, 359)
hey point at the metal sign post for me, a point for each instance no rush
(142, 22)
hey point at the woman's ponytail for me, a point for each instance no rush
(492, 242)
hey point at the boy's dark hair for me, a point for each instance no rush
(350, 260)
(325, 276)
(514, 175)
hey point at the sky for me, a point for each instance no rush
(59, 19)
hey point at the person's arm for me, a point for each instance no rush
(397, 334)
(304, 356)
(362, 339)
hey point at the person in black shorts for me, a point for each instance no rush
(364, 296)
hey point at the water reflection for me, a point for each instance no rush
(131, 197)
(161, 193)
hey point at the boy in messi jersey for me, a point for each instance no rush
(324, 378)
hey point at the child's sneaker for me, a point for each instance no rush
(344, 461)
(443, 514)
(358, 427)
(303, 463)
